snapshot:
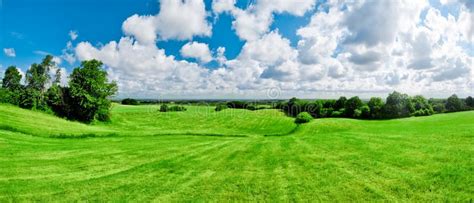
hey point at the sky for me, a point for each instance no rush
(250, 49)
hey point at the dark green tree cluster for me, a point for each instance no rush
(84, 99)
(129, 101)
(166, 108)
(397, 105)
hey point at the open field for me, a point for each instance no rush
(145, 155)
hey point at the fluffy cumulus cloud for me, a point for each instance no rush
(347, 48)
(252, 22)
(10, 52)
(179, 20)
(196, 50)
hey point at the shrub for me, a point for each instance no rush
(129, 101)
(237, 104)
(221, 107)
(177, 108)
(303, 117)
(163, 108)
(166, 108)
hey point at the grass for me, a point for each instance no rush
(202, 155)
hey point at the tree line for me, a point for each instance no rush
(85, 97)
(396, 105)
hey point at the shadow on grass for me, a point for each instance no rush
(292, 131)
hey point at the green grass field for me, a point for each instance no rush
(234, 155)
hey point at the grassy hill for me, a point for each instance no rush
(202, 155)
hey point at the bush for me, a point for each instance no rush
(129, 101)
(303, 117)
(177, 108)
(221, 107)
(166, 108)
(163, 108)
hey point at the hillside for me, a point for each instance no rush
(415, 159)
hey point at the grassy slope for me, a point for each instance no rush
(428, 158)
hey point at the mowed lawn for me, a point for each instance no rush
(234, 155)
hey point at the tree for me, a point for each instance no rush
(340, 103)
(470, 102)
(422, 105)
(12, 86)
(36, 78)
(55, 96)
(12, 78)
(454, 104)
(353, 104)
(303, 117)
(376, 106)
(129, 101)
(164, 108)
(365, 112)
(89, 91)
(398, 105)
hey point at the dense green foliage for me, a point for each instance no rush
(220, 107)
(397, 105)
(129, 101)
(202, 155)
(85, 99)
(303, 117)
(454, 104)
(89, 91)
(166, 108)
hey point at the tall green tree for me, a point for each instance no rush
(454, 104)
(340, 103)
(11, 86)
(353, 104)
(398, 105)
(376, 106)
(11, 80)
(36, 78)
(55, 96)
(89, 90)
(470, 102)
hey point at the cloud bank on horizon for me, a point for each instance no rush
(347, 48)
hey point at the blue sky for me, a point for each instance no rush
(316, 52)
(32, 26)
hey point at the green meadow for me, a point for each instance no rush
(234, 155)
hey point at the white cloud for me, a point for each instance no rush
(179, 20)
(197, 50)
(10, 52)
(341, 51)
(73, 35)
(254, 21)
